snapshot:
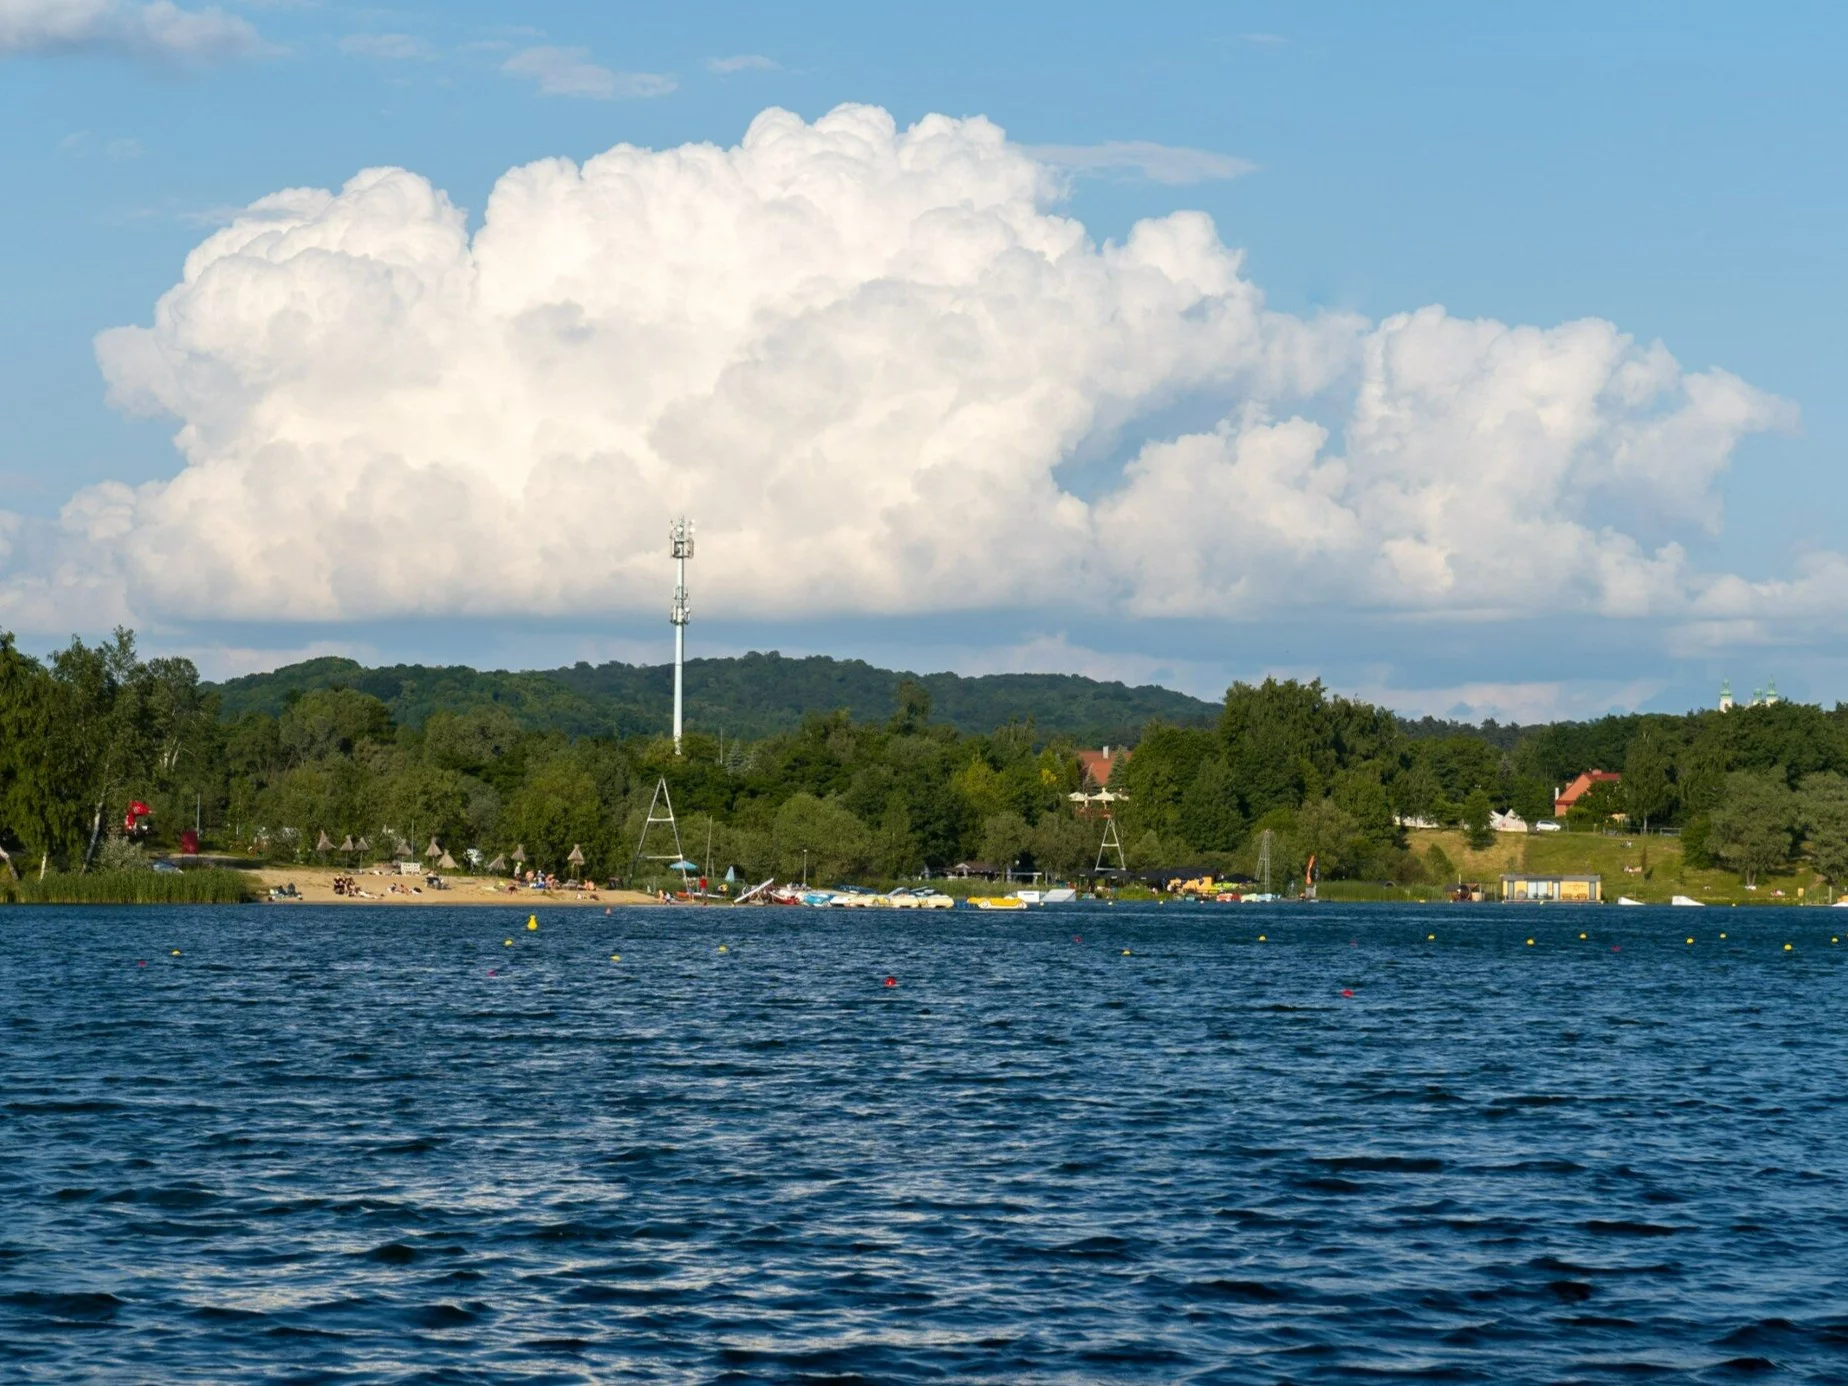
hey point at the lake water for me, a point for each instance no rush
(382, 1145)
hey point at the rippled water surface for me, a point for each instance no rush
(1088, 1144)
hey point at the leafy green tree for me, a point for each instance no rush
(1647, 790)
(837, 844)
(1006, 837)
(1753, 822)
(1064, 844)
(1822, 807)
(1327, 832)
(556, 809)
(1209, 815)
(1476, 810)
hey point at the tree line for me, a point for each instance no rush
(1288, 767)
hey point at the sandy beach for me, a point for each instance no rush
(316, 886)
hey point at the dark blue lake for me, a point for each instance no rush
(381, 1145)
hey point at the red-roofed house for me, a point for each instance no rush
(1098, 765)
(1577, 790)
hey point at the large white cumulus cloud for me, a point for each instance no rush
(865, 359)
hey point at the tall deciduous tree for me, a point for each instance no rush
(1822, 807)
(1647, 790)
(1753, 822)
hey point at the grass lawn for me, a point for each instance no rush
(1654, 868)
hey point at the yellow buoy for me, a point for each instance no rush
(532, 921)
(1581, 935)
(509, 943)
(724, 949)
(176, 952)
(1722, 935)
(1530, 943)
(1430, 938)
(615, 957)
(1786, 947)
(1263, 937)
(1126, 952)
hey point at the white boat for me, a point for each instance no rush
(1688, 900)
(1059, 895)
(1030, 897)
(1626, 900)
(1841, 904)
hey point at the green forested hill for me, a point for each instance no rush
(753, 695)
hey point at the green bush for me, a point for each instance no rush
(130, 888)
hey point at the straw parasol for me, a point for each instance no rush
(348, 845)
(432, 851)
(519, 853)
(362, 846)
(325, 844)
(448, 863)
(498, 864)
(577, 855)
(404, 852)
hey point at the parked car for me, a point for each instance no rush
(166, 868)
(1546, 825)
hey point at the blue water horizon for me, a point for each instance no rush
(1088, 1143)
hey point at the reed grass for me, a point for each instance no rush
(214, 887)
(1354, 892)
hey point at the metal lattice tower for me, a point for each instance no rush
(662, 799)
(1264, 859)
(680, 541)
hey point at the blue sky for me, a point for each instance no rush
(1674, 169)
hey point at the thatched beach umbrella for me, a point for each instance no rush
(404, 852)
(448, 863)
(519, 854)
(498, 864)
(348, 845)
(325, 844)
(362, 846)
(432, 851)
(577, 855)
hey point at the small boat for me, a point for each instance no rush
(922, 898)
(1626, 900)
(997, 902)
(1059, 895)
(1687, 900)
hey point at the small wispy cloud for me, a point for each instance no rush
(388, 47)
(80, 144)
(743, 62)
(161, 30)
(570, 72)
(1159, 163)
(1263, 38)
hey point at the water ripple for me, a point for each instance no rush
(351, 1145)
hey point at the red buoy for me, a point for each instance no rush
(1347, 991)
(891, 981)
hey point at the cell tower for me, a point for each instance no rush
(680, 539)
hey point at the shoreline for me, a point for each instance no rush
(316, 885)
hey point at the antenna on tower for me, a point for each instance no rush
(680, 541)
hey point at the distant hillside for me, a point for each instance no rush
(753, 695)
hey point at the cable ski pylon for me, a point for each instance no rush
(1111, 842)
(662, 799)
